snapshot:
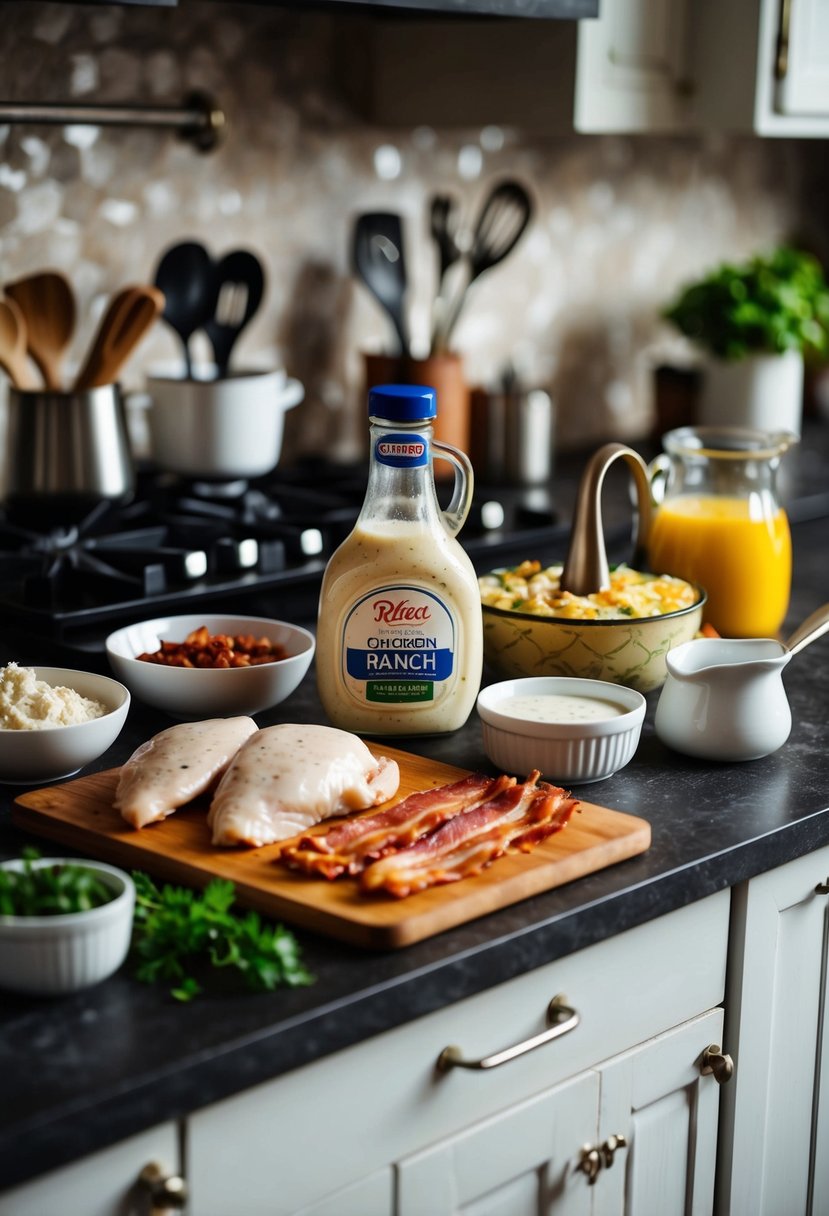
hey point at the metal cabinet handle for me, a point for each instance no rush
(822, 888)
(594, 1158)
(717, 1064)
(166, 1192)
(560, 1019)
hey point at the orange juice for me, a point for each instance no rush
(740, 555)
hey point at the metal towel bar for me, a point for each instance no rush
(199, 120)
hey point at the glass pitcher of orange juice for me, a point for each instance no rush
(720, 523)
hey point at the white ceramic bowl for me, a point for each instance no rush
(196, 692)
(28, 757)
(49, 955)
(566, 752)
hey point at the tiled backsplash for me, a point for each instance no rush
(620, 221)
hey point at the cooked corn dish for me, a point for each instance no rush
(528, 588)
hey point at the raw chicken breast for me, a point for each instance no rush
(176, 765)
(289, 777)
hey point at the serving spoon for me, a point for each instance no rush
(13, 346)
(239, 284)
(129, 315)
(47, 303)
(809, 630)
(378, 258)
(186, 276)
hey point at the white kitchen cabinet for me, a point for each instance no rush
(761, 66)
(652, 1099)
(102, 1184)
(361, 1117)
(647, 66)
(775, 1124)
(632, 70)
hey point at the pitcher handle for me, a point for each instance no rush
(454, 517)
(658, 470)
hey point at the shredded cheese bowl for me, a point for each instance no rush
(622, 634)
(51, 733)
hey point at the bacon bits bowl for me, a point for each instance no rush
(566, 751)
(201, 692)
(30, 757)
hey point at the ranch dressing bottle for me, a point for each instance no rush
(400, 636)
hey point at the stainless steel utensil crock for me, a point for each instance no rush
(67, 446)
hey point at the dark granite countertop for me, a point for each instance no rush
(82, 1072)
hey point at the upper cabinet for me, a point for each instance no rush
(750, 66)
(562, 9)
(763, 67)
(632, 71)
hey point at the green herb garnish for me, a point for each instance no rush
(53, 890)
(176, 930)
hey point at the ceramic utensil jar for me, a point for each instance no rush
(720, 523)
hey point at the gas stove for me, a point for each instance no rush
(178, 546)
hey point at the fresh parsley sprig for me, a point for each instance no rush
(176, 929)
(51, 890)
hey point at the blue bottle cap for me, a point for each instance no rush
(402, 402)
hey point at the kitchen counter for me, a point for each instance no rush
(82, 1072)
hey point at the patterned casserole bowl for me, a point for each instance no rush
(628, 650)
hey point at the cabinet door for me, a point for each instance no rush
(657, 1098)
(103, 1184)
(631, 71)
(804, 84)
(775, 1121)
(517, 1163)
(372, 1196)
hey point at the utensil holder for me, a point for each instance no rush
(66, 452)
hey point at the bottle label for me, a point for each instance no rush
(399, 646)
(402, 451)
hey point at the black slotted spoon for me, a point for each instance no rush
(239, 281)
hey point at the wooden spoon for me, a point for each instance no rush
(13, 346)
(48, 304)
(129, 315)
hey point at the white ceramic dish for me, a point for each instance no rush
(189, 692)
(227, 427)
(566, 752)
(28, 757)
(49, 955)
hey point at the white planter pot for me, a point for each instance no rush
(762, 391)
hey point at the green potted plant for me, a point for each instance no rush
(755, 321)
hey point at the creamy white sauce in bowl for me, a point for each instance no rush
(574, 730)
(559, 707)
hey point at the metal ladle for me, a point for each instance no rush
(585, 568)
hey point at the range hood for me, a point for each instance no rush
(571, 10)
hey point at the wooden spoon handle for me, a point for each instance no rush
(13, 346)
(130, 314)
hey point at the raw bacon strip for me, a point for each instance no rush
(349, 846)
(520, 818)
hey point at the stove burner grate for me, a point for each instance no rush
(178, 546)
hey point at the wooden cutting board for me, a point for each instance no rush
(80, 814)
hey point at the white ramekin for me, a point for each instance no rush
(566, 753)
(49, 955)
